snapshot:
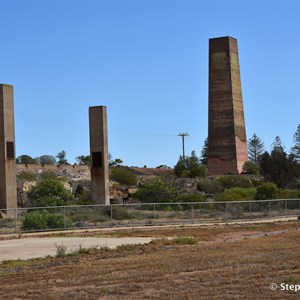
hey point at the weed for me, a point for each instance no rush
(291, 279)
(61, 250)
(125, 247)
(184, 240)
(15, 263)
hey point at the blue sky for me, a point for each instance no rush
(147, 61)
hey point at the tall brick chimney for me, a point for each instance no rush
(227, 143)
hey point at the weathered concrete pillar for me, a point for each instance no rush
(227, 144)
(99, 155)
(8, 191)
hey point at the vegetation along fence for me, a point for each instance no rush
(145, 214)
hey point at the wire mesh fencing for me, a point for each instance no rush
(35, 219)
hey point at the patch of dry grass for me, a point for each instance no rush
(225, 263)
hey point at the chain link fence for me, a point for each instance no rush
(145, 214)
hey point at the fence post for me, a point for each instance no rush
(16, 216)
(286, 213)
(226, 212)
(192, 213)
(250, 210)
(111, 216)
(154, 214)
(269, 207)
(65, 220)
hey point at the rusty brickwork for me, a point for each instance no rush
(227, 143)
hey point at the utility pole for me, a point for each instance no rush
(183, 135)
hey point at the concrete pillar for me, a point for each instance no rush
(8, 191)
(99, 155)
(227, 144)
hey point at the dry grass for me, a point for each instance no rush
(233, 262)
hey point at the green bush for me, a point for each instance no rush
(119, 213)
(35, 220)
(84, 197)
(123, 175)
(197, 197)
(157, 190)
(236, 194)
(209, 186)
(288, 194)
(46, 175)
(27, 176)
(42, 219)
(230, 181)
(49, 192)
(266, 191)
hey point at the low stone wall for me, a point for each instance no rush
(71, 172)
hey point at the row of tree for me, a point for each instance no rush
(60, 159)
(278, 166)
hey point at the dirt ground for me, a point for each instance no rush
(207, 262)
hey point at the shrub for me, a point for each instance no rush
(123, 175)
(288, 194)
(42, 219)
(119, 213)
(61, 250)
(229, 181)
(35, 220)
(209, 186)
(27, 176)
(236, 194)
(195, 198)
(84, 196)
(157, 190)
(266, 191)
(46, 175)
(184, 240)
(48, 192)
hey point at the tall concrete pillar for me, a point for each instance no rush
(8, 191)
(99, 155)
(227, 144)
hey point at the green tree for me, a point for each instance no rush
(295, 151)
(25, 159)
(255, 148)
(180, 166)
(84, 160)
(204, 153)
(61, 156)
(250, 167)
(46, 160)
(277, 166)
(189, 167)
(114, 162)
(48, 192)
